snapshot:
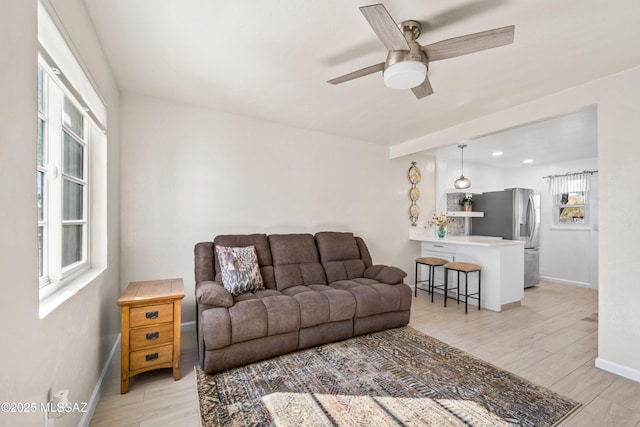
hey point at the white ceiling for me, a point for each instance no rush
(570, 137)
(271, 59)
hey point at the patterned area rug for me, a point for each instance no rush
(398, 377)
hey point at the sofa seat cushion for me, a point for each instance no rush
(264, 313)
(321, 304)
(374, 298)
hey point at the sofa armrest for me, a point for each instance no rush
(385, 274)
(214, 294)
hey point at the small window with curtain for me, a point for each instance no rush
(571, 198)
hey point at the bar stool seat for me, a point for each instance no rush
(466, 268)
(431, 263)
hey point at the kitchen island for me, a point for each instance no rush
(502, 263)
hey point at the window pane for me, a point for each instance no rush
(71, 244)
(40, 90)
(571, 215)
(40, 195)
(40, 250)
(73, 157)
(40, 142)
(573, 199)
(72, 118)
(71, 200)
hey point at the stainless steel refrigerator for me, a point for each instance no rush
(513, 214)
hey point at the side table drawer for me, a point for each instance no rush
(150, 315)
(151, 336)
(146, 358)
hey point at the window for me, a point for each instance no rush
(571, 198)
(572, 208)
(71, 169)
(62, 180)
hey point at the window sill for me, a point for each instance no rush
(50, 300)
(571, 227)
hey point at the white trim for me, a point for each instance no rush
(49, 301)
(565, 282)
(570, 228)
(616, 368)
(97, 390)
(188, 326)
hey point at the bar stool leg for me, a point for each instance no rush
(416, 285)
(432, 275)
(446, 285)
(466, 291)
(479, 293)
(433, 291)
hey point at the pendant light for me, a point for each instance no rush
(462, 182)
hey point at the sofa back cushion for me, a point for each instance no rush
(340, 255)
(296, 260)
(263, 252)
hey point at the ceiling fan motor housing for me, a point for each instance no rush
(417, 70)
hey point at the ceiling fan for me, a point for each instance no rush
(407, 62)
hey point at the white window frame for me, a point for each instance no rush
(55, 92)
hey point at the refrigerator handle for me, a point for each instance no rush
(531, 220)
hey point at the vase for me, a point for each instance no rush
(442, 231)
(468, 207)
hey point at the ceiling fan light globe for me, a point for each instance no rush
(462, 183)
(405, 75)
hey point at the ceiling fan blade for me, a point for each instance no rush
(423, 89)
(359, 73)
(385, 27)
(470, 43)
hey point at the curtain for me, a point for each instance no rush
(570, 183)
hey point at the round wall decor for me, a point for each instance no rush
(414, 193)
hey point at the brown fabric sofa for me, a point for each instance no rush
(318, 289)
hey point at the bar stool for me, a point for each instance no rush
(466, 268)
(431, 263)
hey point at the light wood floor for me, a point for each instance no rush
(551, 340)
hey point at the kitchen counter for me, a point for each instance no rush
(502, 263)
(428, 235)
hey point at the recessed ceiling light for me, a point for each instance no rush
(497, 153)
(527, 161)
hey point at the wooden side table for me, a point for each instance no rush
(150, 328)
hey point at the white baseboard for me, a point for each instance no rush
(566, 282)
(188, 326)
(97, 390)
(615, 368)
(95, 395)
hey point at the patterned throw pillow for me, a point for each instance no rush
(239, 268)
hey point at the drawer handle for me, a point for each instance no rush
(438, 246)
(153, 335)
(152, 356)
(151, 314)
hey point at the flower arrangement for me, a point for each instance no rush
(439, 221)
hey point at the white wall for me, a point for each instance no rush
(67, 348)
(567, 255)
(189, 174)
(619, 230)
